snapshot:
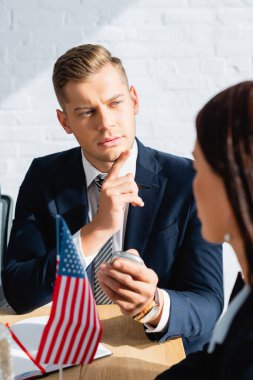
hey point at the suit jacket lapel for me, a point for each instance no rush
(140, 221)
(70, 190)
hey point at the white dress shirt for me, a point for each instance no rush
(118, 238)
(223, 325)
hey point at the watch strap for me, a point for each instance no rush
(150, 310)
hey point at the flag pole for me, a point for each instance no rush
(60, 372)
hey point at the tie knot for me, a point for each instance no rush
(99, 181)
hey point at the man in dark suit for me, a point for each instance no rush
(145, 202)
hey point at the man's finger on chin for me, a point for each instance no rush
(115, 169)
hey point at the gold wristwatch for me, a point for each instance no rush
(150, 311)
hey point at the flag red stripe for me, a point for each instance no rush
(82, 326)
(96, 324)
(61, 308)
(52, 317)
(98, 335)
(89, 313)
(75, 351)
(86, 352)
(90, 354)
(70, 321)
(79, 322)
(87, 322)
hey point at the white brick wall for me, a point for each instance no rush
(178, 53)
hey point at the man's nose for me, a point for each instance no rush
(104, 120)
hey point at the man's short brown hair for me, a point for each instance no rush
(79, 63)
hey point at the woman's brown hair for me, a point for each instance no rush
(225, 134)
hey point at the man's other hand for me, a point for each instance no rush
(130, 285)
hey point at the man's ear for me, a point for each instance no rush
(135, 100)
(62, 117)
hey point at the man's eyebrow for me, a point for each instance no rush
(83, 107)
(115, 97)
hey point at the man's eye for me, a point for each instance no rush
(116, 103)
(86, 113)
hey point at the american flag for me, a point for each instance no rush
(73, 331)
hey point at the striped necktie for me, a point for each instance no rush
(103, 255)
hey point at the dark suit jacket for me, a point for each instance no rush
(166, 232)
(232, 360)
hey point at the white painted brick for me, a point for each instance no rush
(54, 18)
(5, 134)
(5, 70)
(16, 38)
(111, 33)
(204, 3)
(184, 82)
(39, 52)
(5, 19)
(189, 65)
(71, 17)
(162, 116)
(15, 102)
(157, 67)
(37, 117)
(137, 17)
(9, 149)
(162, 3)
(6, 85)
(23, 69)
(161, 33)
(186, 49)
(59, 4)
(136, 67)
(134, 49)
(197, 98)
(8, 119)
(237, 3)
(228, 32)
(19, 5)
(213, 66)
(42, 149)
(25, 134)
(10, 183)
(56, 134)
(239, 64)
(247, 33)
(3, 167)
(219, 82)
(72, 36)
(234, 48)
(200, 33)
(18, 166)
(190, 16)
(235, 16)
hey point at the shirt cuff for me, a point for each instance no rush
(165, 315)
(78, 244)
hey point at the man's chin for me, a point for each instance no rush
(113, 156)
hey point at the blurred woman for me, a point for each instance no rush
(223, 187)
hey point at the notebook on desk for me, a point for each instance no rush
(27, 334)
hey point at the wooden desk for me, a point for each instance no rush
(134, 355)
